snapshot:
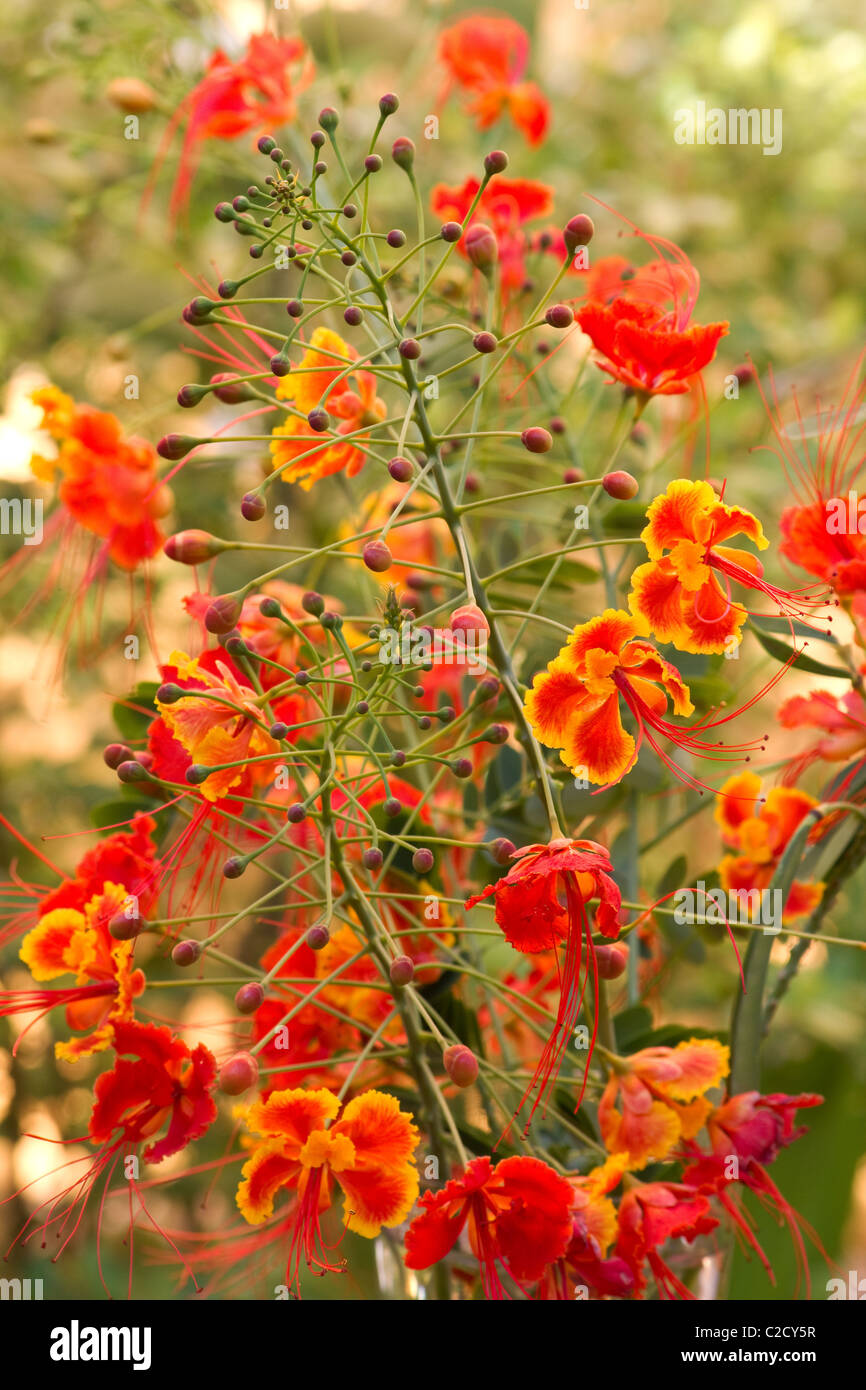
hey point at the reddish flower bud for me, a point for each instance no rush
(578, 232)
(176, 446)
(186, 953)
(249, 998)
(461, 1064)
(537, 440)
(422, 861)
(377, 557)
(501, 850)
(192, 547)
(559, 316)
(620, 485)
(115, 754)
(318, 937)
(253, 506)
(401, 970)
(401, 469)
(481, 247)
(611, 960)
(485, 342)
(403, 152)
(496, 162)
(223, 614)
(372, 859)
(126, 928)
(231, 391)
(469, 618)
(239, 1073)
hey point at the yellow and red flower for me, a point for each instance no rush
(575, 704)
(487, 55)
(542, 902)
(678, 592)
(760, 828)
(306, 1142)
(109, 483)
(593, 1231)
(325, 379)
(660, 1094)
(225, 727)
(67, 941)
(517, 1215)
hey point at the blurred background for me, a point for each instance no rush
(92, 288)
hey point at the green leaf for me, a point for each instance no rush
(673, 876)
(782, 652)
(134, 723)
(632, 1026)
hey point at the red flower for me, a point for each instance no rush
(487, 56)
(166, 1084)
(505, 205)
(518, 1216)
(650, 1215)
(643, 333)
(256, 92)
(541, 902)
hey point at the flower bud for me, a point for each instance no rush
(318, 937)
(559, 316)
(537, 440)
(501, 850)
(377, 556)
(388, 104)
(329, 119)
(403, 152)
(579, 231)
(485, 342)
(229, 390)
(410, 348)
(401, 469)
(131, 94)
(239, 1073)
(481, 247)
(132, 771)
(249, 997)
(372, 858)
(253, 506)
(115, 754)
(396, 238)
(469, 618)
(192, 547)
(496, 162)
(461, 1064)
(620, 485)
(313, 603)
(401, 970)
(186, 953)
(422, 861)
(611, 960)
(451, 231)
(223, 614)
(176, 446)
(126, 928)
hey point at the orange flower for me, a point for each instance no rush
(487, 56)
(505, 205)
(109, 484)
(841, 720)
(222, 726)
(303, 1145)
(678, 592)
(660, 1091)
(575, 704)
(324, 379)
(68, 942)
(255, 93)
(761, 829)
